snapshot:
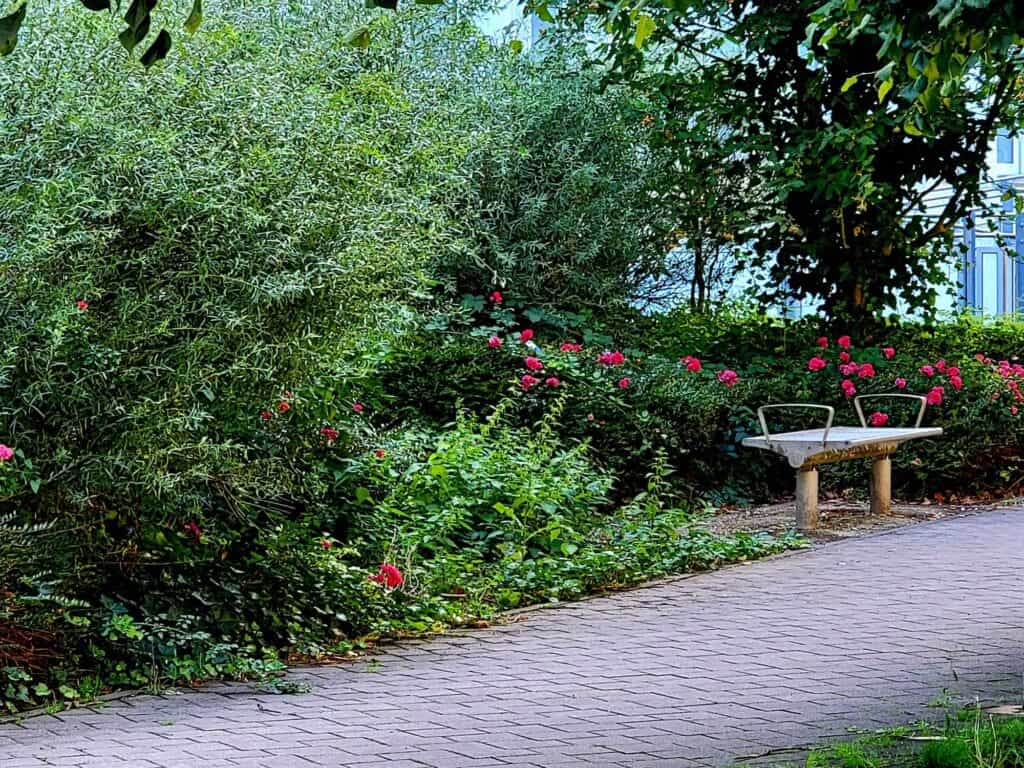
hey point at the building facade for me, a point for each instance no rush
(990, 267)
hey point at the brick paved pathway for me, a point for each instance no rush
(866, 632)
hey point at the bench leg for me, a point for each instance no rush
(807, 499)
(881, 486)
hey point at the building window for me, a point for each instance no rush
(1004, 147)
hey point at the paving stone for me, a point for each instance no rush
(689, 673)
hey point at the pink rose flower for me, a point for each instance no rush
(816, 363)
(528, 381)
(940, 366)
(844, 357)
(952, 371)
(823, 342)
(533, 364)
(956, 382)
(866, 371)
(494, 342)
(879, 419)
(927, 370)
(728, 377)
(888, 353)
(848, 388)
(848, 369)
(496, 297)
(624, 382)
(934, 397)
(552, 381)
(1014, 410)
(611, 358)
(570, 347)
(525, 335)
(692, 364)
(6, 454)
(900, 383)
(844, 342)
(358, 407)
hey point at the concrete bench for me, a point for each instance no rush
(808, 448)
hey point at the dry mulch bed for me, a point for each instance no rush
(842, 518)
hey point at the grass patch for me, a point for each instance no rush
(970, 738)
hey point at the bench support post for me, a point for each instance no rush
(807, 498)
(881, 485)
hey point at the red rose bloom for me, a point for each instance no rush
(844, 342)
(533, 364)
(330, 433)
(552, 382)
(624, 382)
(844, 357)
(284, 406)
(82, 305)
(496, 297)
(888, 353)
(692, 364)
(358, 407)
(526, 335)
(389, 576)
(816, 363)
(823, 342)
(494, 342)
(879, 419)
(266, 416)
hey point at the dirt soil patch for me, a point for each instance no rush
(843, 518)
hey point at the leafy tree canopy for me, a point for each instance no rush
(849, 112)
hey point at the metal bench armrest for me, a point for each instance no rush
(860, 411)
(764, 423)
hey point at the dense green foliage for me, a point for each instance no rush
(201, 314)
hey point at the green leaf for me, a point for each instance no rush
(645, 25)
(357, 38)
(848, 84)
(195, 18)
(35, 483)
(911, 130)
(543, 12)
(9, 26)
(207, 393)
(138, 20)
(158, 50)
(41, 690)
(516, 46)
(883, 89)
